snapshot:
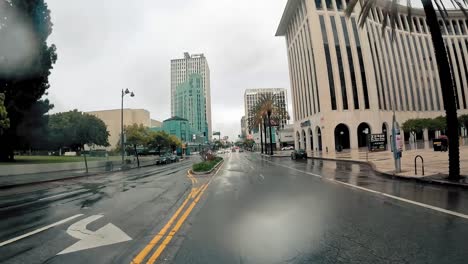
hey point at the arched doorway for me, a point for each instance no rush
(362, 131)
(319, 138)
(342, 137)
(311, 135)
(304, 140)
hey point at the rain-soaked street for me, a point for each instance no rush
(253, 210)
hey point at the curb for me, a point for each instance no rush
(425, 179)
(207, 172)
(68, 178)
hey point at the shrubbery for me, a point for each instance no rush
(206, 165)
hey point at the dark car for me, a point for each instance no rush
(173, 158)
(163, 159)
(299, 154)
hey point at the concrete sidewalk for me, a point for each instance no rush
(435, 163)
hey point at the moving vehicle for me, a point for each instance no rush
(287, 148)
(299, 154)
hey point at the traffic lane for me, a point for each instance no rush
(257, 212)
(446, 197)
(134, 204)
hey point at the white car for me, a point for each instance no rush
(287, 148)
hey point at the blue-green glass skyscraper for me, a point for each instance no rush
(190, 104)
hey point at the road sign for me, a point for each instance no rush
(106, 235)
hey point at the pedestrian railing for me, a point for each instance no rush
(415, 164)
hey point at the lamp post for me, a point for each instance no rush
(121, 123)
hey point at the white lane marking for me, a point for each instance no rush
(39, 230)
(106, 235)
(62, 194)
(263, 177)
(435, 208)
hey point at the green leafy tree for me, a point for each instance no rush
(137, 135)
(390, 18)
(4, 121)
(174, 142)
(158, 140)
(463, 121)
(74, 130)
(25, 63)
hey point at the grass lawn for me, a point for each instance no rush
(51, 159)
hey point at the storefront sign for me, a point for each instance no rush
(377, 142)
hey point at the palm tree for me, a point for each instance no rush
(268, 108)
(390, 12)
(255, 121)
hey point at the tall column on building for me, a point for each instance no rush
(181, 69)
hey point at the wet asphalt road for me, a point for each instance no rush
(255, 210)
(258, 211)
(136, 201)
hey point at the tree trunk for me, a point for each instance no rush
(271, 135)
(85, 160)
(136, 154)
(447, 83)
(265, 133)
(261, 138)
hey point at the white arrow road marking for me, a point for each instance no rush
(106, 235)
(39, 230)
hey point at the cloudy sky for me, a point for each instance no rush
(106, 45)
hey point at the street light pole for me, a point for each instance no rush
(121, 123)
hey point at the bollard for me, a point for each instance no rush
(415, 163)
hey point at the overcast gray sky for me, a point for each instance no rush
(106, 45)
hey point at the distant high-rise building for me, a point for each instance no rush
(251, 97)
(181, 69)
(190, 103)
(244, 128)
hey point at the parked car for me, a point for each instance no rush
(241, 150)
(162, 160)
(299, 154)
(174, 158)
(287, 148)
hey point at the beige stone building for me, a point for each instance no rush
(130, 116)
(346, 80)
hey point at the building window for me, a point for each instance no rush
(329, 4)
(408, 71)
(339, 4)
(361, 63)
(416, 25)
(398, 51)
(459, 75)
(318, 4)
(423, 25)
(462, 27)
(455, 27)
(379, 87)
(449, 28)
(351, 64)
(442, 27)
(340, 64)
(313, 65)
(331, 82)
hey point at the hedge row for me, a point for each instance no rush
(206, 165)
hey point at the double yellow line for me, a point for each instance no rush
(190, 176)
(194, 195)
